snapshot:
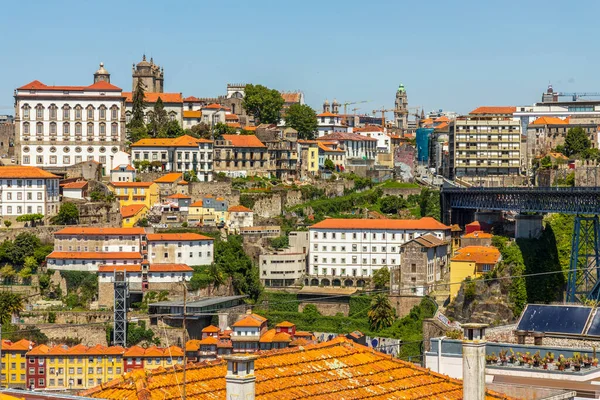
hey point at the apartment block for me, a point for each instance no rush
(180, 248)
(28, 190)
(347, 252)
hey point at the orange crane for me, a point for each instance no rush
(383, 110)
(352, 102)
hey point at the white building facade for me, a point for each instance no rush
(28, 190)
(349, 251)
(58, 126)
(180, 248)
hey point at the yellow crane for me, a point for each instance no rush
(383, 110)
(353, 102)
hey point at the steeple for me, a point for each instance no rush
(101, 75)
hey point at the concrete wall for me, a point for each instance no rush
(266, 205)
(403, 304)
(44, 233)
(95, 213)
(218, 189)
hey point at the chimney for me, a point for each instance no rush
(473, 350)
(240, 379)
(223, 321)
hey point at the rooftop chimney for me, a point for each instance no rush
(240, 378)
(474, 361)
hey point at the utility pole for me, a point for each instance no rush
(184, 337)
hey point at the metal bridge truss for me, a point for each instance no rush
(120, 309)
(553, 200)
(584, 267)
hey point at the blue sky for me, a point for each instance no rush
(454, 55)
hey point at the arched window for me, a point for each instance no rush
(172, 116)
(114, 129)
(25, 128)
(114, 113)
(26, 110)
(90, 129)
(66, 112)
(39, 128)
(90, 112)
(102, 110)
(52, 111)
(78, 109)
(78, 128)
(39, 111)
(66, 129)
(128, 117)
(102, 128)
(53, 128)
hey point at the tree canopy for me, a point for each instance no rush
(263, 103)
(576, 142)
(67, 215)
(10, 303)
(381, 313)
(138, 106)
(158, 119)
(381, 278)
(392, 204)
(303, 119)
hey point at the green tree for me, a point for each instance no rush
(25, 273)
(24, 245)
(41, 252)
(138, 133)
(138, 106)
(392, 204)
(576, 141)
(7, 223)
(329, 165)
(200, 131)
(223, 129)
(263, 103)
(216, 275)
(8, 274)
(33, 218)
(303, 119)
(190, 176)
(381, 278)
(381, 313)
(30, 263)
(158, 119)
(429, 203)
(173, 129)
(311, 313)
(67, 215)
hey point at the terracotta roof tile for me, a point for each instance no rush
(345, 136)
(244, 140)
(152, 97)
(232, 117)
(169, 178)
(425, 223)
(328, 114)
(77, 230)
(134, 351)
(285, 324)
(127, 167)
(24, 172)
(173, 237)
(211, 329)
(213, 106)
(478, 235)
(40, 350)
(338, 369)
(478, 254)
(192, 345)
(22, 345)
(494, 110)
(369, 128)
(108, 268)
(234, 124)
(549, 121)
(250, 128)
(239, 209)
(252, 320)
(268, 336)
(192, 99)
(209, 340)
(132, 210)
(178, 196)
(154, 351)
(329, 149)
(181, 141)
(74, 185)
(291, 97)
(98, 86)
(173, 351)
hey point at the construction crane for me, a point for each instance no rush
(416, 108)
(383, 110)
(354, 110)
(353, 102)
(576, 96)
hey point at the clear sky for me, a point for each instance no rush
(454, 55)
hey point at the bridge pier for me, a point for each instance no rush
(528, 226)
(489, 217)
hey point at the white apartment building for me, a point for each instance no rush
(358, 150)
(89, 261)
(377, 132)
(348, 251)
(180, 248)
(28, 190)
(122, 173)
(240, 217)
(181, 154)
(58, 126)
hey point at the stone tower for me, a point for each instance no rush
(326, 108)
(101, 75)
(150, 74)
(401, 108)
(335, 107)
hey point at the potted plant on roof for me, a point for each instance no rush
(502, 356)
(545, 363)
(511, 357)
(594, 362)
(560, 364)
(550, 356)
(587, 360)
(537, 359)
(491, 359)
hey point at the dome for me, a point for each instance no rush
(143, 63)
(102, 70)
(401, 88)
(326, 102)
(335, 102)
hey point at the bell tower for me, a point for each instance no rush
(401, 108)
(101, 75)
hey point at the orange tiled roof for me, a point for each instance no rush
(182, 182)
(249, 128)
(251, 320)
(328, 149)
(170, 237)
(209, 340)
(549, 121)
(192, 114)
(181, 141)
(78, 349)
(328, 114)
(343, 136)
(478, 235)
(169, 178)
(198, 203)
(154, 351)
(268, 336)
(127, 168)
(213, 106)
(239, 209)
(192, 345)
(58, 349)
(369, 128)
(114, 350)
(132, 210)
(21, 345)
(425, 223)
(232, 117)
(169, 268)
(96, 350)
(234, 124)
(24, 172)
(478, 254)
(152, 97)
(121, 268)
(96, 255)
(81, 230)
(211, 329)
(443, 118)
(282, 337)
(178, 195)
(173, 351)
(285, 324)
(74, 185)
(338, 369)
(40, 350)
(98, 86)
(244, 140)
(192, 99)
(131, 184)
(494, 110)
(291, 97)
(134, 351)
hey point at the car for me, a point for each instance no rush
(12, 160)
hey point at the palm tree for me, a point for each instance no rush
(10, 303)
(381, 313)
(216, 275)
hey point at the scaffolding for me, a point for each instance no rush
(120, 317)
(584, 266)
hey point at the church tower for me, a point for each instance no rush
(335, 107)
(401, 108)
(150, 74)
(326, 108)
(101, 75)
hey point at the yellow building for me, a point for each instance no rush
(132, 213)
(471, 261)
(127, 193)
(308, 151)
(14, 370)
(208, 211)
